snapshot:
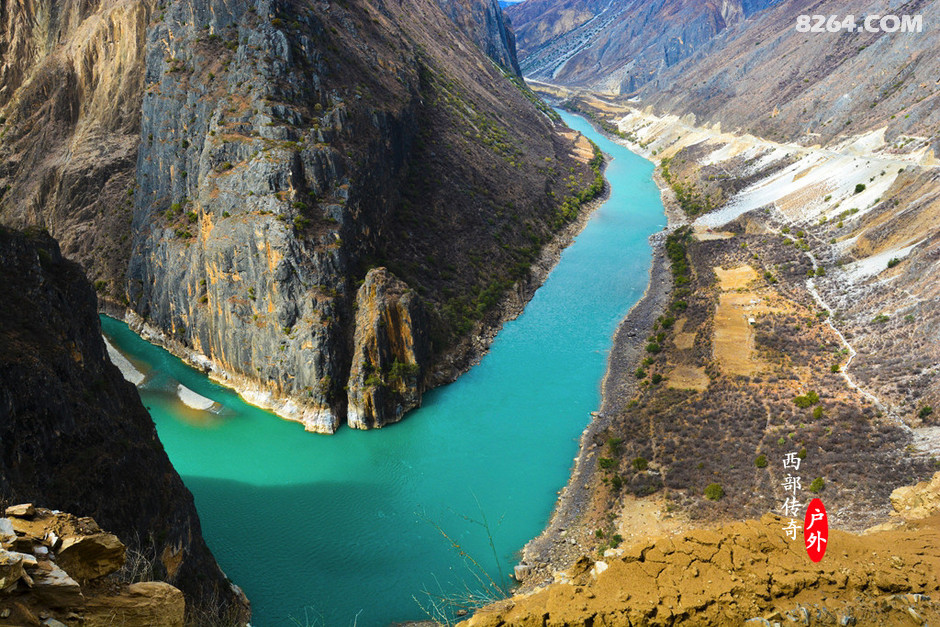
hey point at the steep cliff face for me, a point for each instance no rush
(230, 171)
(484, 24)
(287, 149)
(74, 434)
(616, 47)
(391, 355)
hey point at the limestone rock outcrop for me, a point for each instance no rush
(391, 352)
(49, 553)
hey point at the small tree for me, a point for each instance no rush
(859, 188)
(640, 464)
(761, 461)
(925, 411)
(817, 485)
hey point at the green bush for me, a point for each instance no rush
(761, 461)
(810, 399)
(653, 347)
(835, 368)
(818, 412)
(614, 445)
(925, 411)
(859, 188)
(640, 464)
(640, 373)
(714, 492)
(893, 262)
(817, 485)
(606, 463)
(656, 378)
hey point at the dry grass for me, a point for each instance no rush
(733, 340)
(688, 378)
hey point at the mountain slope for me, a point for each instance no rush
(74, 433)
(770, 80)
(617, 47)
(231, 172)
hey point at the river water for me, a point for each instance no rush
(346, 529)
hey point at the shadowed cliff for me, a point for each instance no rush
(74, 435)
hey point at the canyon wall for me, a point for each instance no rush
(230, 172)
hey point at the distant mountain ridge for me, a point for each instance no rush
(616, 47)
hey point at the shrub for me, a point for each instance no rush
(606, 463)
(761, 461)
(893, 262)
(818, 412)
(640, 464)
(880, 319)
(615, 540)
(657, 378)
(614, 445)
(375, 381)
(810, 399)
(817, 485)
(640, 373)
(834, 368)
(653, 347)
(859, 188)
(616, 482)
(925, 411)
(714, 492)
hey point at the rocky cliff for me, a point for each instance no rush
(75, 434)
(58, 567)
(392, 348)
(616, 47)
(484, 24)
(230, 172)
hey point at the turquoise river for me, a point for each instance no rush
(345, 529)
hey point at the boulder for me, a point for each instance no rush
(11, 568)
(24, 510)
(53, 587)
(521, 572)
(90, 557)
(148, 603)
(918, 501)
(7, 534)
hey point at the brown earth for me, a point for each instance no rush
(742, 571)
